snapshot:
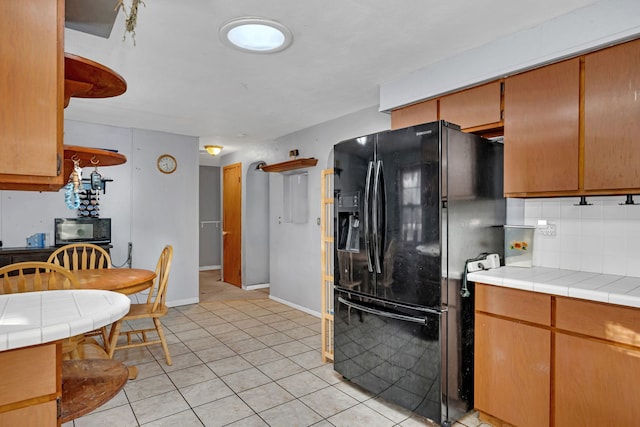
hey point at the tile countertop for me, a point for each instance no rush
(621, 290)
(32, 318)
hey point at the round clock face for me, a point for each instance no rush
(167, 163)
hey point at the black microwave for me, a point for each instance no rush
(77, 230)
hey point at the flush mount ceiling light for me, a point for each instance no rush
(257, 35)
(214, 150)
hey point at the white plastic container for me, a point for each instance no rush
(518, 245)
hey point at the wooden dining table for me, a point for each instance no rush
(123, 280)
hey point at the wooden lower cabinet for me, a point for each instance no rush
(512, 371)
(596, 383)
(581, 368)
(30, 385)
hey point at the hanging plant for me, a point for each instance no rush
(131, 17)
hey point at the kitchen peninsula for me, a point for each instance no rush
(556, 347)
(32, 325)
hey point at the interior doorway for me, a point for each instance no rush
(256, 228)
(232, 224)
(210, 226)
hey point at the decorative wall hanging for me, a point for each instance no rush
(131, 17)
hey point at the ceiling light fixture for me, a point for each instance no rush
(257, 35)
(214, 150)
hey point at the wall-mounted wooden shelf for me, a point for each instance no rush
(290, 165)
(84, 78)
(85, 155)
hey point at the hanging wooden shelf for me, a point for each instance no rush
(290, 165)
(89, 157)
(84, 78)
(93, 156)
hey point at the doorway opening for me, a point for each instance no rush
(256, 248)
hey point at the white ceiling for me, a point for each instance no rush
(182, 79)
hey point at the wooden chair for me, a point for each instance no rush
(81, 256)
(153, 309)
(35, 276)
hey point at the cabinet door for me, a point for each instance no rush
(475, 107)
(512, 372)
(416, 114)
(596, 384)
(32, 91)
(541, 129)
(611, 111)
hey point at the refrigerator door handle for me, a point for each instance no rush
(421, 320)
(367, 195)
(376, 224)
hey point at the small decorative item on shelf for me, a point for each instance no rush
(72, 188)
(89, 203)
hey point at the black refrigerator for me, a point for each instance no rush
(411, 206)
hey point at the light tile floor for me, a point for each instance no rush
(250, 362)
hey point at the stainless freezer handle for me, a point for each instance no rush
(367, 194)
(376, 223)
(421, 320)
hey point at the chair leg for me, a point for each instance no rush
(105, 338)
(113, 337)
(163, 340)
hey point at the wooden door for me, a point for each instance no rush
(32, 88)
(232, 224)
(541, 129)
(596, 383)
(611, 111)
(411, 115)
(478, 107)
(512, 371)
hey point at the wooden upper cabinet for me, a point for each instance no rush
(478, 107)
(611, 113)
(422, 112)
(32, 88)
(541, 129)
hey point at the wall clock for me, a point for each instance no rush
(167, 163)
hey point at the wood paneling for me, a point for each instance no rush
(522, 305)
(595, 384)
(478, 106)
(606, 321)
(611, 124)
(512, 371)
(32, 91)
(422, 112)
(541, 132)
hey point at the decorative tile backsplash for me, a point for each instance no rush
(603, 237)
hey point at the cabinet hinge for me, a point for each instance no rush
(58, 164)
(59, 407)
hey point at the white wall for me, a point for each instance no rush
(599, 238)
(147, 207)
(294, 249)
(598, 24)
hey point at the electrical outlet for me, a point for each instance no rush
(548, 230)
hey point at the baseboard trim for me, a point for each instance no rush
(186, 301)
(209, 267)
(256, 286)
(296, 306)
